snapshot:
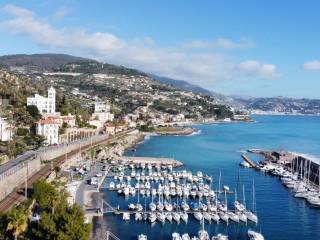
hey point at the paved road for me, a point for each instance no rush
(85, 186)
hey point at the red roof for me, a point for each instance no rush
(49, 120)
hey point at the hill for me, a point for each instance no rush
(40, 62)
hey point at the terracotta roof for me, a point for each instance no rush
(49, 120)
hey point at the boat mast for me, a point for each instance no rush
(253, 197)
(219, 184)
(243, 196)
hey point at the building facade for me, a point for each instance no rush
(44, 104)
(5, 130)
(48, 128)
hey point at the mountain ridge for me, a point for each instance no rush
(64, 62)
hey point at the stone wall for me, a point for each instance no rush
(17, 175)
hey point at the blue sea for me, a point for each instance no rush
(218, 148)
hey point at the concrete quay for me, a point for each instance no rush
(152, 160)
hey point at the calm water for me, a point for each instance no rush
(216, 149)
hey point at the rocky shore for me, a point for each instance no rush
(180, 131)
(116, 149)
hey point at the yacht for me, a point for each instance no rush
(207, 216)
(185, 236)
(220, 237)
(176, 236)
(215, 217)
(251, 216)
(176, 217)
(198, 216)
(161, 217)
(234, 217)
(184, 217)
(224, 217)
(131, 206)
(126, 216)
(138, 216)
(242, 217)
(152, 217)
(255, 235)
(169, 217)
(142, 237)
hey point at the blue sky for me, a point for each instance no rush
(251, 48)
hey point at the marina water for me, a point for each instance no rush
(217, 148)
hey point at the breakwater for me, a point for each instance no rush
(305, 166)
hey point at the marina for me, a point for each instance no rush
(164, 193)
(213, 151)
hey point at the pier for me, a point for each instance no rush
(247, 159)
(153, 161)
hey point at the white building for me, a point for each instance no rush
(48, 128)
(101, 113)
(100, 107)
(5, 130)
(44, 104)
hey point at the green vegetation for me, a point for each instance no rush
(57, 220)
(34, 112)
(146, 128)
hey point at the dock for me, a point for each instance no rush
(247, 159)
(153, 161)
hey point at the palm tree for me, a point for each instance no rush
(17, 222)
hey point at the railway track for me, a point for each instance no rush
(18, 195)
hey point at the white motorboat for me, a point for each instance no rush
(176, 236)
(168, 206)
(138, 216)
(220, 237)
(111, 185)
(132, 206)
(139, 207)
(203, 235)
(126, 216)
(185, 236)
(142, 237)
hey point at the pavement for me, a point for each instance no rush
(85, 187)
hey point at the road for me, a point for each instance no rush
(17, 196)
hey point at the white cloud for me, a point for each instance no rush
(255, 68)
(199, 68)
(312, 65)
(221, 43)
(60, 14)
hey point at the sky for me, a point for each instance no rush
(250, 48)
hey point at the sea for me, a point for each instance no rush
(217, 148)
